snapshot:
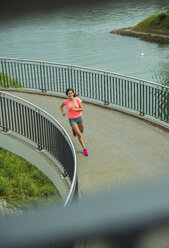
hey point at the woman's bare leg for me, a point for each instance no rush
(79, 134)
(81, 127)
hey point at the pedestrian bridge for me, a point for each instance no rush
(126, 133)
(123, 148)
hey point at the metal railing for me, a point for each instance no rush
(32, 122)
(137, 94)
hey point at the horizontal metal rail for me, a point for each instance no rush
(137, 94)
(34, 123)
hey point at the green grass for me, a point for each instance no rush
(22, 185)
(155, 22)
(7, 82)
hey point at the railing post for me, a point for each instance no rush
(38, 130)
(168, 107)
(3, 114)
(106, 100)
(141, 98)
(69, 77)
(42, 76)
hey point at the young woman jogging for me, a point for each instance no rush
(74, 113)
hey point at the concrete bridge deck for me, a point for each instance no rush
(122, 149)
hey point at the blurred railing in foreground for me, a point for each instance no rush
(120, 217)
(111, 88)
(32, 122)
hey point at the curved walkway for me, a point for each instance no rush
(122, 149)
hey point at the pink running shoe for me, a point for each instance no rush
(74, 133)
(85, 152)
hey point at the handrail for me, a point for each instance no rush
(58, 125)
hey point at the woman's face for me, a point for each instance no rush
(70, 94)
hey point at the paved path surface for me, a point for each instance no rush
(122, 149)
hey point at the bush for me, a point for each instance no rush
(7, 82)
(162, 16)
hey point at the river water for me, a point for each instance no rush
(82, 37)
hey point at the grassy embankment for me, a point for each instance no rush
(22, 185)
(155, 28)
(156, 22)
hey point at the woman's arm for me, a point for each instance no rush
(79, 109)
(61, 108)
